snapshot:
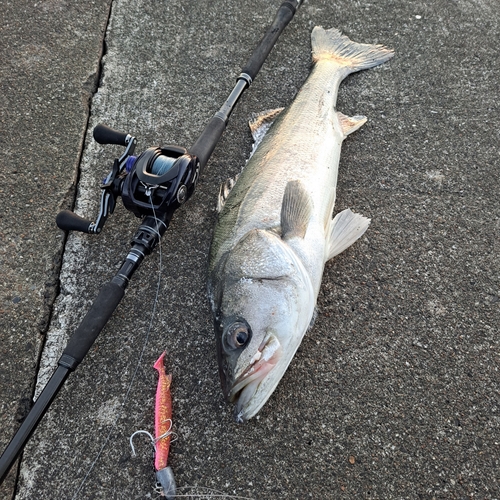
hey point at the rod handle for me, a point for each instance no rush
(95, 320)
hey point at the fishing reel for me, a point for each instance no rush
(155, 183)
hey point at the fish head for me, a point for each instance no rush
(264, 304)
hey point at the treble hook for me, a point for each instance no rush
(153, 440)
(131, 440)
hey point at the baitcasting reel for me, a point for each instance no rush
(158, 181)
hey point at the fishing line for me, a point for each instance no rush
(146, 339)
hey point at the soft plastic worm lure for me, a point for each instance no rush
(163, 430)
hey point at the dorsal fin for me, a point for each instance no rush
(295, 210)
(260, 122)
(224, 190)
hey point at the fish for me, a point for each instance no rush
(163, 429)
(275, 229)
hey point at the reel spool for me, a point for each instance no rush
(159, 179)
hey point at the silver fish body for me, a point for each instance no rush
(275, 229)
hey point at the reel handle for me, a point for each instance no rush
(69, 221)
(106, 135)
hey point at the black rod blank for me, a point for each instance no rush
(29, 424)
(206, 142)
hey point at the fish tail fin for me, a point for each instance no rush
(159, 362)
(331, 44)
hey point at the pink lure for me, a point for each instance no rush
(163, 415)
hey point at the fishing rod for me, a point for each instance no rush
(152, 186)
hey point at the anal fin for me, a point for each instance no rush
(350, 124)
(346, 228)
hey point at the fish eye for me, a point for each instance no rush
(238, 335)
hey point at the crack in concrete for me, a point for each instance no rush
(52, 285)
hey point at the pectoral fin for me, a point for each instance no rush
(295, 211)
(346, 228)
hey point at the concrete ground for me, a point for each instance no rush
(395, 392)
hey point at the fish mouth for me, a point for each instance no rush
(246, 385)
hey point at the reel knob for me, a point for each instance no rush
(106, 135)
(69, 221)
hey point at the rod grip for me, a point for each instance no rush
(85, 335)
(106, 135)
